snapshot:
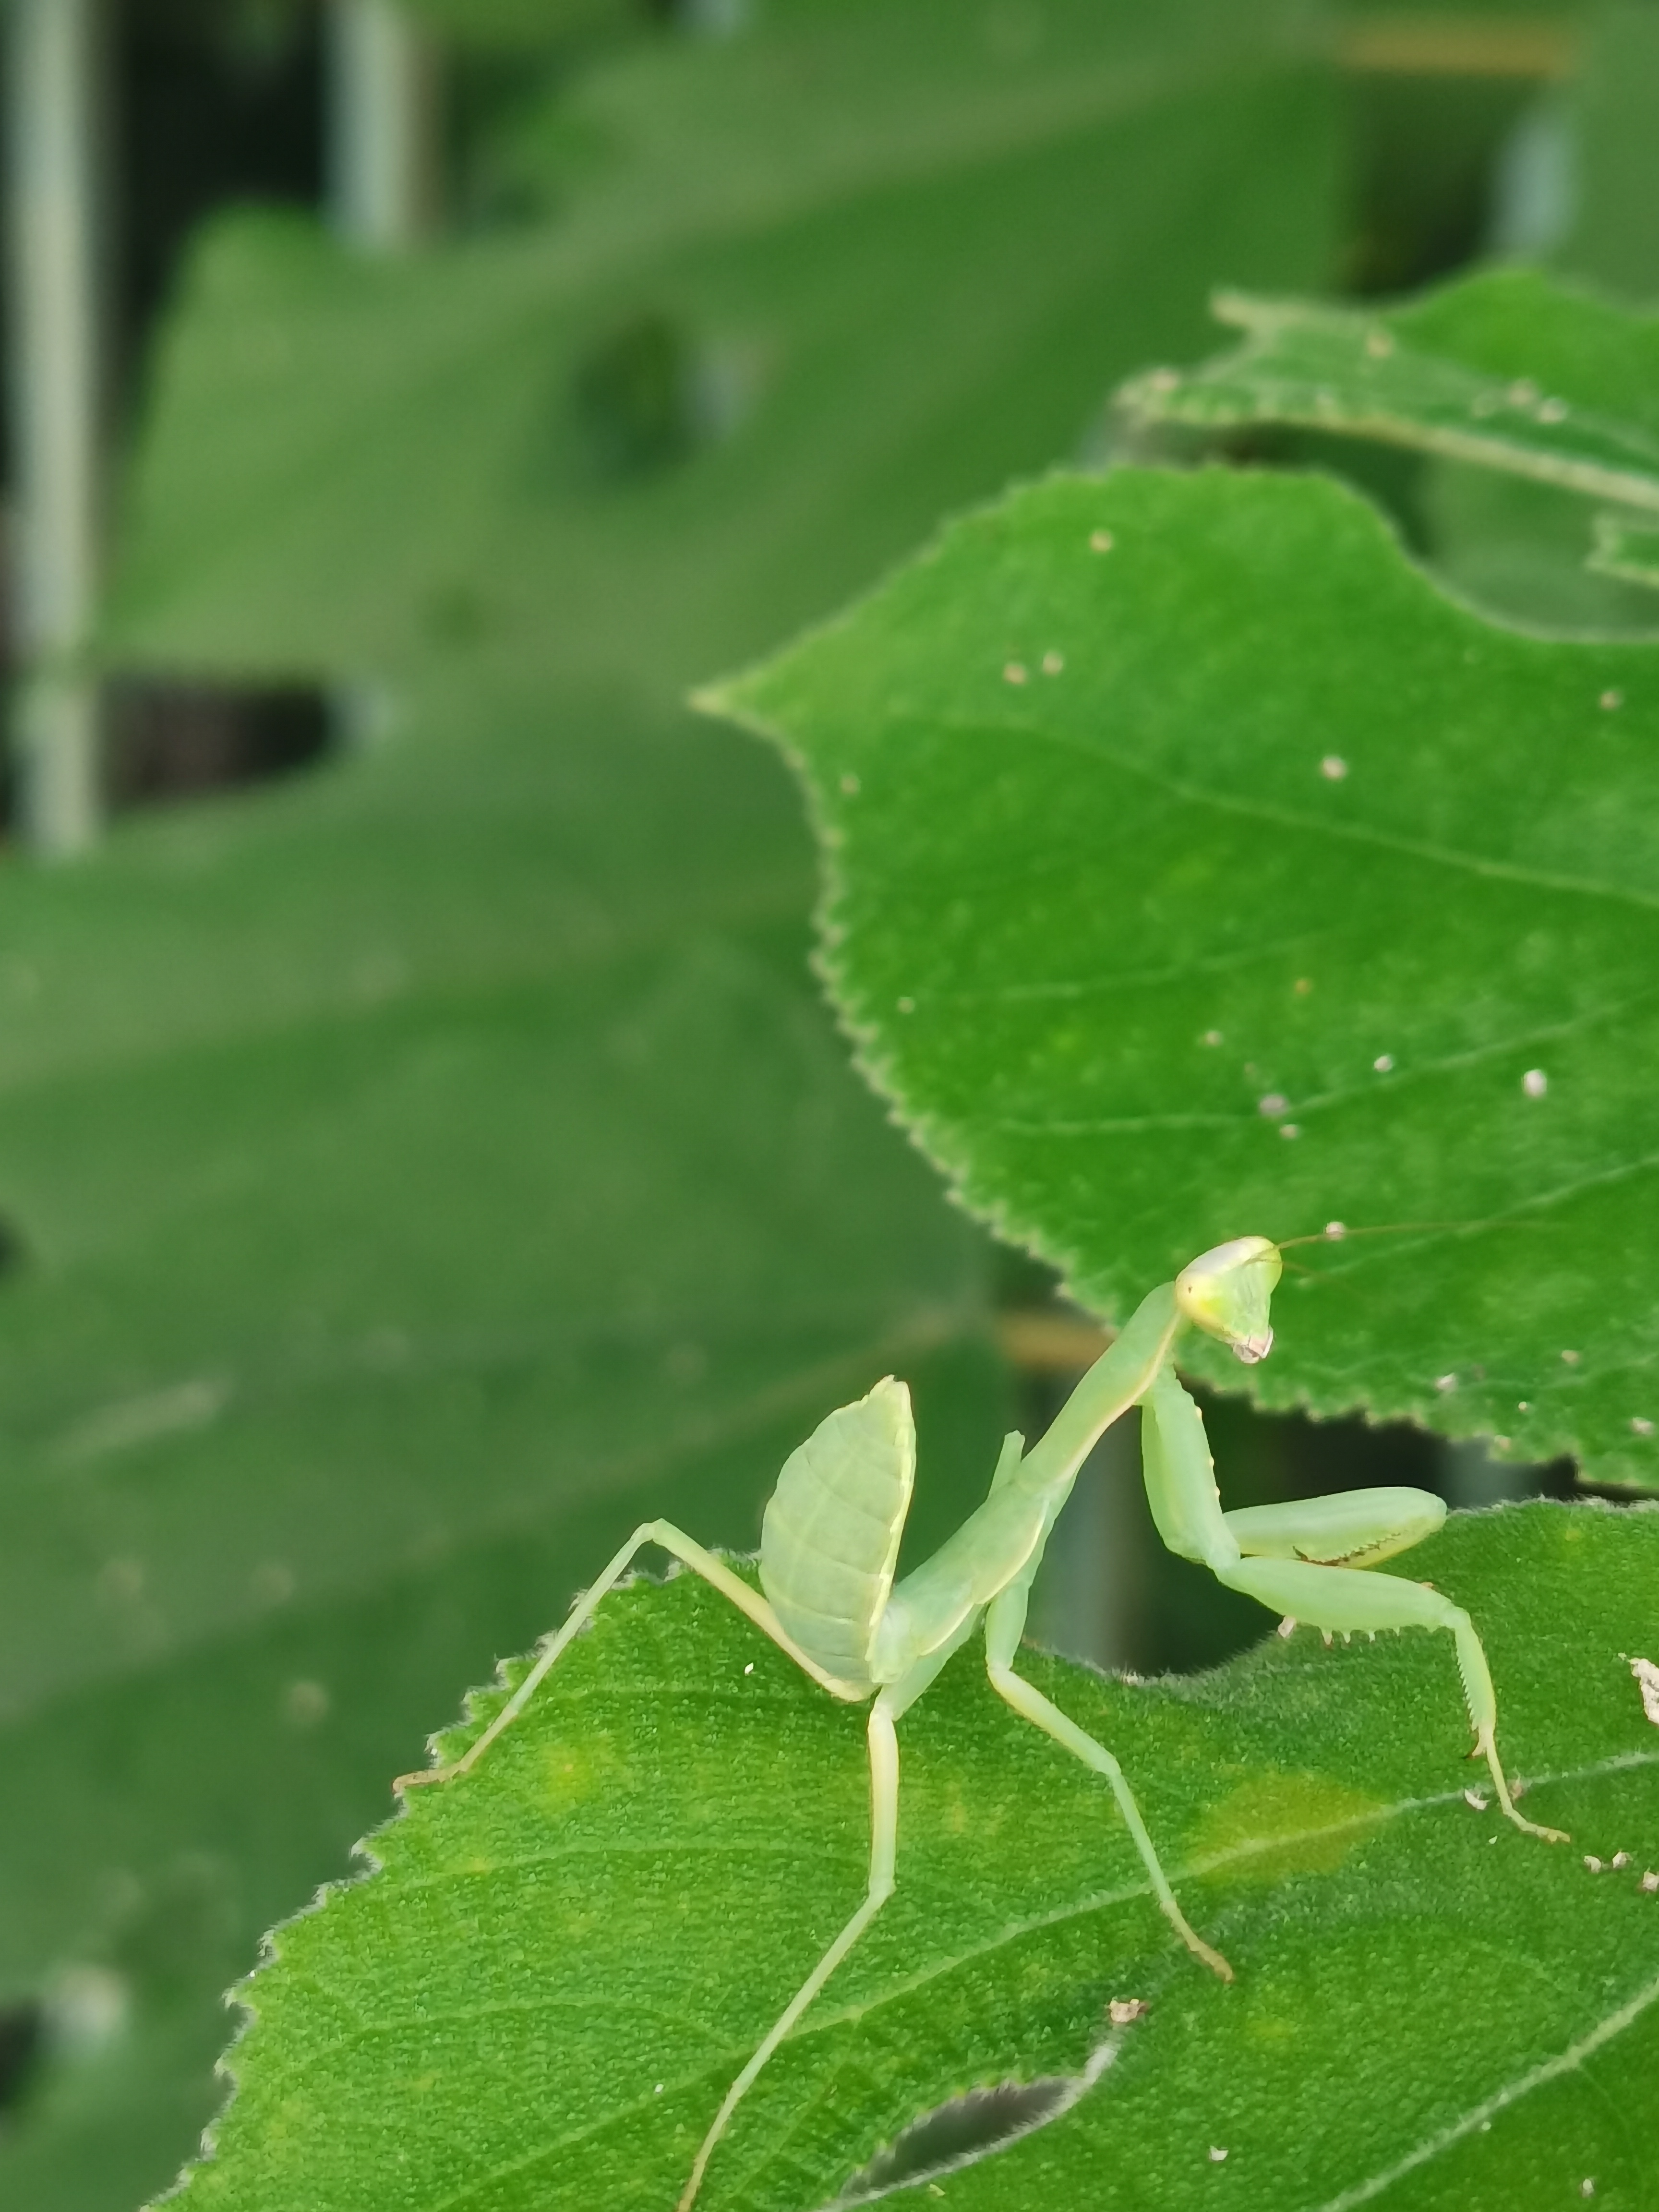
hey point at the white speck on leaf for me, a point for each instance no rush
(1611, 700)
(1619, 1861)
(1595, 1864)
(1122, 2010)
(1534, 1083)
(1334, 768)
(1572, 1359)
(1551, 411)
(1290, 1130)
(1273, 1103)
(1384, 1063)
(1651, 1882)
(1647, 1681)
(1053, 663)
(1101, 541)
(1211, 1037)
(750, 1668)
(1336, 1231)
(1445, 1382)
(1639, 1426)
(1217, 2153)
(1524, 392)
(1014, 672)
(1473, 1797)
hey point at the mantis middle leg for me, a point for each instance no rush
(1004, 1624)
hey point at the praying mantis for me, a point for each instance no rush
(829, 1545)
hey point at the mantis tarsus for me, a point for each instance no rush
(830, 1540)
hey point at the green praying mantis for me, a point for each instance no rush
(830, 1544)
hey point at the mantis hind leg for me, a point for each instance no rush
(890, 1703)
(1005, 1623)
(883, 1845)
(691, 1554)
(1333, 1597)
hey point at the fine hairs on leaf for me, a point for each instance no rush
(538, 1998)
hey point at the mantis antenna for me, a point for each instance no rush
(830, 1544)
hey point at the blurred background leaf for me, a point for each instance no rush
(417, 1171)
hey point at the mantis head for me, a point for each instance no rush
(1226, 1292)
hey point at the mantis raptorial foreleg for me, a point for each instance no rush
(1306, 1559)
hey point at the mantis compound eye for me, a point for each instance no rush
(1227, 1291)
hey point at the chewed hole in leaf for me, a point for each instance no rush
(635, 395)
(168, 742)
(956, 2133)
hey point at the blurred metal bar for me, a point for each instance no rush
(55, 104)
(1041, 1342)
(383, 126)
(1526, 46)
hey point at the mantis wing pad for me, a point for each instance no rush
(831, 1537)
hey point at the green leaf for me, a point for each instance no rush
(1505, 369)
(1197, 869)
(539, 1995)
(1522, 399)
